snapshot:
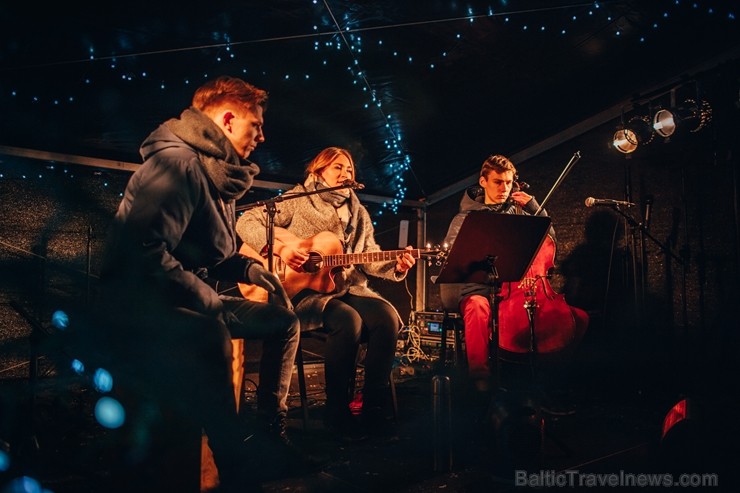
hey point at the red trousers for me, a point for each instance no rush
(476, 313)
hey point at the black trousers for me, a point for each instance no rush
(351, 321)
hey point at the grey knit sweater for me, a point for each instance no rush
(305, 217)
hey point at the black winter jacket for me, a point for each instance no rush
(171, 231)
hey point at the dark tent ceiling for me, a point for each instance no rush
(420, 91)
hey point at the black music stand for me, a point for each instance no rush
(490, 249)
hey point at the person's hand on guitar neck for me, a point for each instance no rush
(259, 276)
(405, 262)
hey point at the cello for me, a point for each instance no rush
(532, 316)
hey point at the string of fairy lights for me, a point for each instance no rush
(337, 39)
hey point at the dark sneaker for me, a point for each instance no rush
(379, 425)
(345, 426)
(235, 461)
(238, 480)
(278, 427)
(278, 456)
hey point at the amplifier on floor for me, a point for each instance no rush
(430, 323)
(430, 327)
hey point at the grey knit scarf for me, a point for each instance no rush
(334, 197)
(231, 175)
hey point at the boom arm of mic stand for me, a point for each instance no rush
(289, 196)
(643, 230)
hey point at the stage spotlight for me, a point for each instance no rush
(637, 132)
(692, 116)
(664, 123)
(625, 141)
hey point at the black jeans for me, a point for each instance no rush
(279, 330)
(350, 321)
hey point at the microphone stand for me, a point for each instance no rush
(638, 249)
(644, 232)
(637, 267)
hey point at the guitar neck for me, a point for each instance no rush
(366, 257)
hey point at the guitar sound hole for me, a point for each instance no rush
(314, 263)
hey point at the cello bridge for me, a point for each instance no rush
(529, 286)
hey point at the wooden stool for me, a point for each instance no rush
(208, 471)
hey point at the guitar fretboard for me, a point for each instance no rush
(366, 257)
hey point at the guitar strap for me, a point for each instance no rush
(351, 227)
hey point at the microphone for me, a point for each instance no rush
(590, 202)
(353, 184)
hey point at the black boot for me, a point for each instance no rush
(278, 428)
(378, 424)
(375, 415)
(238, 479)
(279, 456)
(237, 471)
(347, 428)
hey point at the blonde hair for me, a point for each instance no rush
(325, 158)
(497, 163)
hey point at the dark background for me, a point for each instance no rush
(71, 127)
(421, 92)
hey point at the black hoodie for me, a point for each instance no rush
(474, 200)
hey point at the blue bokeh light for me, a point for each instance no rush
(23, 484)
(78, 366)
(109, 412)
(103, 380)
(4, 461)
(60, 319)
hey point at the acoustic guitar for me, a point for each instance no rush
(317, 273)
